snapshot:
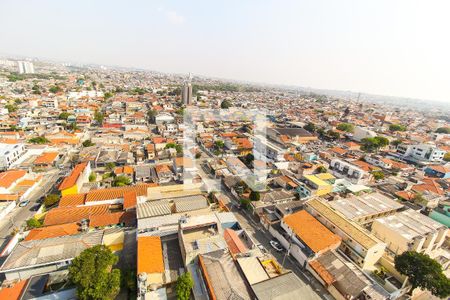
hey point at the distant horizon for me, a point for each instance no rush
(385, 47)
(46, 59)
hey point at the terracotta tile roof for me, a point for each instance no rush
(14, 292)
(124, 170)
(365, 166)
(407, 195)
(71, 180)
(117, 192)
(149, 255)
(72, 200)
(228, 134)
(9, 177)
(52, 231)
(440, 168)
(428, 185)
(162, 169)
(235, 245)
(46, 158)
(184, 162)
(129, 199)
(27, 182)
(158, 140)
(243, 143)
(338, 150)
(322, 271)
(64, 215)
(112, 219)
(311, 231)
(9, 197)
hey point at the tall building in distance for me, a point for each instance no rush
(186, 91)
(25, 67)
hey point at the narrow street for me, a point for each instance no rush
(19, 215)
(261, 236)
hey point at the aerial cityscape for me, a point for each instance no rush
(133, 182)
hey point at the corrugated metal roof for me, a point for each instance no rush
(153, 209)
(190, 203)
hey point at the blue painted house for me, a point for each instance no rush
(438, 171)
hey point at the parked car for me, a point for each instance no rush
(24, 203)
(276, 245)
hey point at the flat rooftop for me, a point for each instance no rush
(410, 224)
(354, 231)
(356, 207)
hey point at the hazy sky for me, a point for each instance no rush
(388, 47)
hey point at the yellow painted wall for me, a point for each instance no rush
(323, 190)
(70, 191)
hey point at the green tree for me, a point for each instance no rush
(93, 274)
(11, 108)
(333, 134)
(99, 117)
(198, 155)
(151, 114)
(225, 104)
(88, 143)
(109, 166)
(310, 127)
(39, 140)
(54, 89)
(374, 143)
(443, 130)
(447, 156)
(33, 223)
(321, 169)
(108, 95)
(63, 116)
(184, 286)
(378, 175)
(219, 144)
(121, 180)
(92, 177)
(396, 142)
(347, 127)
(423, 272)
(255, 196)
(51, 200)
(397, 127)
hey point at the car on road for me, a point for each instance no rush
(276, 245)
(35, 207)
(24, 203)
(261, 247)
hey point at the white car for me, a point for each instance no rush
(276, 245)
(24, 203)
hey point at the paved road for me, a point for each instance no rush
(19, 215)
(262, 236)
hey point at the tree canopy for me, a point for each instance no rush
(255, 196)
(374, 143)
(310, 127)
(51, 200)
(38, 140)
(443, 130)
(347, 127)
(88, 143)
(99, 117)
(93, 275)
(397, 127)
(121, 180)
(184, 286)
(63, 116)
(225, 104)
(423, 272)
(447, 156)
